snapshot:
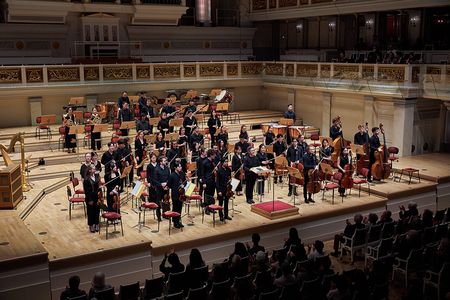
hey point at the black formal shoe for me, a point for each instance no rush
(207, 212)
(295, 194)
(306, 201)
(176, 226)
(289, 194)
(228, 218)
(181, 225)
(222, 219)
(281, 180)
(275, 181)
(311, 200)
(369, 180)
(159, 220)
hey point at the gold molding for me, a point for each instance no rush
(251, 68)
(325, 71)
(34, 74)
(190, 70)
(117, 73)
(232, 69)
(274, 69)
(10, 75)
(391, 74)
(289, 70)
(307, 70)
(259, 4)
(211, 70)
(143, 72)
(63, 74)
(346, 72)
(368, 72)
(91, 73)
(287, 3)
(166, 71)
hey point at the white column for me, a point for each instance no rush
(203, 12)
(326, 114)
(403, 123)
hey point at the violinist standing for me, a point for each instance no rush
(223, 181)
(236, 167)
(250, 161)
(199, 163)
(361, 138)
(309, 163)
(112, 180)
(140, 144)
(189, 123)
(374, 143)
(335, 129)
(125, 115)
(108, 156)
(263, 161)
(343, 160)
(208, 179)
(152, 188)
(176, 181)
(91, 184)
(213, 125)
(162, 174)
(290, 114)
(279, 148)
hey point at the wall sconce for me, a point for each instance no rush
(414, 20)
(299, 27)
(369, 24)
(331, 26)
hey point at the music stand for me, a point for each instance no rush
(78, 114)
(294, 172)
(171, 136)
(269, 149)
(176, 122)
(76, 129)
(358, 149)
(215, 92)
(154, 121)
(47, 120)
(230, 148)
(76, 100)
(286, 122)
(150, 138)
(191, 94)
(261, 171)
(100, 128)
(124, 175)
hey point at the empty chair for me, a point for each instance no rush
(412, 264)
(326, 282)
(310, 288)
(200, 293)
(273, 295)
(243, 286)
(374, 234)
(106, 294)
(176, 282)
(388, 230)
(220, 290)
(130, 291)
(303, 266)
(380, 251)
(174, 296)
(199, 277)
(263, 281)
(437, 280)
(153, 288)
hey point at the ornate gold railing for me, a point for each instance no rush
(431, 78)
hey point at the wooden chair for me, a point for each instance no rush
(73, 201)
(354, 243)
(412, 264)
(40, 127)
(380, 251)
(111, 218)
(437, 280)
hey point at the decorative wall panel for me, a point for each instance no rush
(325, 71)
(34, 75)
(91, 73)
(259, 4)
(286, 3)
(167, 71)
(211, 70)
(306, 70)
(368, 72)
(274, 69)
(117, 73)
(63, 74)
(251, 68)
(391, 73)
(143, 72)
(12, 75)
(289, 70)
(190, 71)
(232, 69)
(346, 72)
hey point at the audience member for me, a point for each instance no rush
(175, 265)
(348, 232)
(317, 250)
(287, 278)
(73, 290)
(255, 248)
(98, 284)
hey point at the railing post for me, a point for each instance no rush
(45, 75)
(375, 72)
(152, 72)
(225, 70)
(23, 74)
(81, 68)
(239, 69)
(360, 70)
(100, 73)
(295, 70)
(197, 70)
(181, 71)
(133, 71)
(408, 74)
(331, 70)
(284, 69)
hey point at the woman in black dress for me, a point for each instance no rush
(213, 125)
(70, 139)
(140, 144)
(91, 184)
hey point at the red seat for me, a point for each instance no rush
(213, 208)
(359, 182)
(315, 138)
(169, 215)
(410, 172)
(150, 205)
(195, 197)
(332, 186)
(111, 218)
(73, 201)
(144, 207)
(40, 127)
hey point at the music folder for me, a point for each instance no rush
(76, 129)
(128, 125)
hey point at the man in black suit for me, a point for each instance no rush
(348, 232)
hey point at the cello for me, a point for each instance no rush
(339, 143)
(347, 180)
(381, 169)
(313, 185)
(363, 161)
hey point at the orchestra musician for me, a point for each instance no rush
(125, 115)
(162, 173)
(263, 161)
(87, 163)
(325, 152)
(244, 134)
(142, 102)
(196, 138)
(91, 184)
(290, 114)
(335, 129)
(122, 159)
(223, 180)
(199, 163)
(70, 139)
(96, 163)
(189, 123)
(163, 124)
(309, 163)
(221, 148)
(208, 179)
(183, 142)
(361, 138)
(342, 161)
(269, 137)
(236, 167)
(213, 124)
(250, 161)
(374, 143)
(112, 180)
(191, 107)
(243, 144)
(96, 137)
(160, 143)
(123, 99)
(223, 134)
(302, 143)
(140, 144)
(108, 156)
(215, 148)
(169, 109)
(294, 156)
(144, 125)
(279, 148)
(152, 188)
(173, 154)
(176, 180)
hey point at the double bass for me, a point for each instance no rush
(339, 144)
(381, 169)
(295, 180)
(313, 185)
(363, 161)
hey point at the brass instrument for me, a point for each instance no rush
(97, 119)
(69, 121)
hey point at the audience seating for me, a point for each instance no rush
(107, 294)
(130, 291)
(153, 288)
(355, 243)
(411, 264)
(176, 282)
(220, 290)
(200, 293)
(379, 252)
(82, 297)
(437, 280)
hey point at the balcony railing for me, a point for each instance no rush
(431, 81)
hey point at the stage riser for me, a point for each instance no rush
(424, 201)
(121, 270)
(21, 283)
(443, 195)
(323, 229)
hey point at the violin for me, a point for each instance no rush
(347, 180)
(381, 169)
(100, 200)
